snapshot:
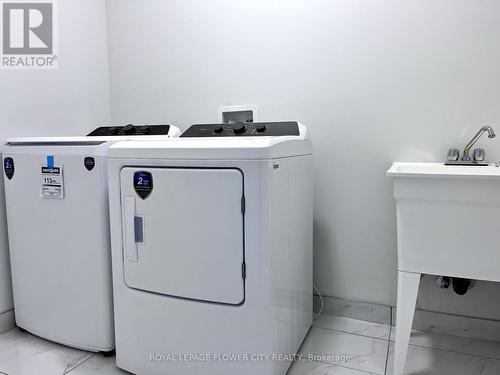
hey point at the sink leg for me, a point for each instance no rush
(407, 298)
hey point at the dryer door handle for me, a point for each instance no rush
(129, 238)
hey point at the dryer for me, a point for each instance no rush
(58, 226)
(212, 249)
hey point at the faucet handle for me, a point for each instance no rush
(479, 154)
(453, 154)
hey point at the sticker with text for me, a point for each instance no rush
(52, 183)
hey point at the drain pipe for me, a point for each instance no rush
(460, 286)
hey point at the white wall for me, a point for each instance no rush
(69, 101)
(375, 81)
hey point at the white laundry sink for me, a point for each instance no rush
(448, 219)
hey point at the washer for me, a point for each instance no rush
(58, 226)
(212, 249)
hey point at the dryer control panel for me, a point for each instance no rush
(109, 131)
(243, 129)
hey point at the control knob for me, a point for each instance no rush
(128, 129)
(144, 129)
(239, 128)
(260, 127)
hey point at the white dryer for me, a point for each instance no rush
(58, 224)
(212, 249)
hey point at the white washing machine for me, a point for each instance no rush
(58, 224)
(212, 249)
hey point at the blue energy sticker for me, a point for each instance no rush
(50, 161)
(143, 184)
(89, 162)
(8, 167)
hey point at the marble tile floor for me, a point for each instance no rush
(334, 346)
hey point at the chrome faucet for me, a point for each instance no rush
(484, 129)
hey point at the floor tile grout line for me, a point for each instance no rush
(354, 334)
(388, 345)
(347, 367)
(452, 351)
(355, 319)
(447, 334)
(81, 363)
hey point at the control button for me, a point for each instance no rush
(260, 127)
(239, 128)
(128, 129)
(218, 129)
(144, 129)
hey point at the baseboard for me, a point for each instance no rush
(7, 321)
(370, 312)
(430, 321)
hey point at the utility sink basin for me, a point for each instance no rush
(448, 219)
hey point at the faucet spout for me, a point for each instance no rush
(484, 129)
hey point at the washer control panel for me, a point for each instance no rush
(243, 129)
(109, 131)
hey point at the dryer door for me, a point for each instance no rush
(183, 232)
